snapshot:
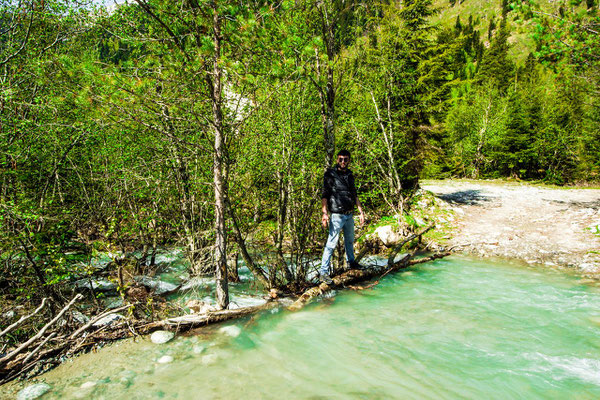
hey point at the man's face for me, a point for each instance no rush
(343, 161)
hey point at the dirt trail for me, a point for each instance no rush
(535, 223)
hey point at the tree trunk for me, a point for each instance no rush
(219, 181)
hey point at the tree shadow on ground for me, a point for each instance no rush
(465, 197)
(579, 204)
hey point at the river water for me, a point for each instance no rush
(452, 329)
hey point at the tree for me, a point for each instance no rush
(496, 66)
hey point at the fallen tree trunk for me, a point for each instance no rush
(349, 277)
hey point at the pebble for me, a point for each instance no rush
(165, 360)
(588, 267)
(33, 391)
(160, 337)
(199, 349)
(80, 318)
(88, 385)
(125, 381)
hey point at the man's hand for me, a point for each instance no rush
(325, 220)
(361, 218)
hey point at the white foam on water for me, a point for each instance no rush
(241, 301)
(586, 369)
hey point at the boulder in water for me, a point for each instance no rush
(160, 337)
(33, 391)
(231, 330)
(159, 287)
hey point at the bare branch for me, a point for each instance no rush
(28, 343)
(24, 318)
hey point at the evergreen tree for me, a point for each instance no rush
(514, 153)
(496, 66)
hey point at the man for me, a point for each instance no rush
(339, 197)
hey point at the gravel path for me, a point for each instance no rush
(538, 224)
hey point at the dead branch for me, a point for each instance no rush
(25, 345)
(24, 318)
(32, 353)
(397, 249)
(96, 319)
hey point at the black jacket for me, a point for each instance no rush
(339, 190)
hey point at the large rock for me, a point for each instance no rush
(160, 337)
(99, 285)
(33, 391)
(199, 306)
(159, 287)
(108, 320)
(387, 235)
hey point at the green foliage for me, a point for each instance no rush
(107, 120)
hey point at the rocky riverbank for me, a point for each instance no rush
(538, 224)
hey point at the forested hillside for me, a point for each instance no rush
(207, 124)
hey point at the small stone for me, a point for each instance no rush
(88, 385)
(113, 302)
(9, 314)
(199, 349)
(165, 360)
(125, 381)
(588, 267)
(80, 318)
(33, 391)
(160, 337)
(231, 330)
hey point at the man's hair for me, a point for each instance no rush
(343, 153)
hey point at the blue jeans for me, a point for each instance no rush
(337, 222)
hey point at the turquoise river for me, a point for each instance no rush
(458, 328)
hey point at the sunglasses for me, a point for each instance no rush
(342, 159)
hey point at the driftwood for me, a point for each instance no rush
(24, 318)
(34, 338)
(98, 318)
(400, 245)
